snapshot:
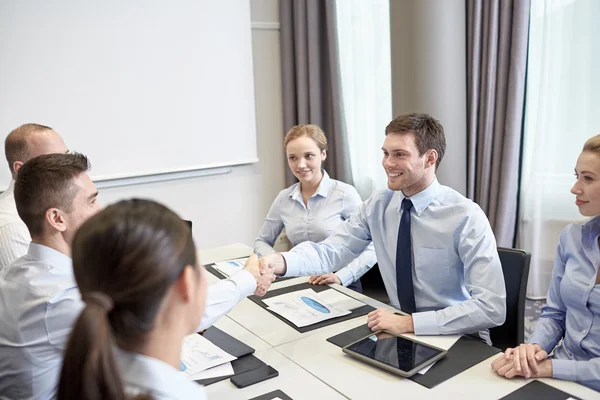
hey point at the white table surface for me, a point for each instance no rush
(293, 380)
(358, 380)
(237, 331)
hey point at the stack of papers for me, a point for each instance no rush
(231, 267)
(307, 307)
(201, 359)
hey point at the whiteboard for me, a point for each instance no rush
(142, 87)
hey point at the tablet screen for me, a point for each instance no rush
(394, 351)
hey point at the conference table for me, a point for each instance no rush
(312, 368)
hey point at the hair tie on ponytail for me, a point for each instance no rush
(99, 299)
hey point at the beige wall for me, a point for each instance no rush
(428, 73)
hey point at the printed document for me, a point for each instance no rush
(231, 267)
(199, 354)
(304, 307)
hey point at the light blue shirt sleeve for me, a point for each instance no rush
(360, 265)
(270, 230)
(222, 296)
(349, 241)
(550, 327)
(483, 280)
(586, 372)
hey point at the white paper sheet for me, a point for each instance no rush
(199, 354)
(214, 372)
(303, 307)
(340, 300)
(231, 267)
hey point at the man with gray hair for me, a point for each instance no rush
(21, 145)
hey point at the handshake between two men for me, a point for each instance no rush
(269, 266)
(264, 271)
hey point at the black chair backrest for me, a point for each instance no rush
(515, 266)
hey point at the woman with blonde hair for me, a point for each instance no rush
(311, 209)
(569, 326)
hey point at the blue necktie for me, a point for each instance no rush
(404, 278)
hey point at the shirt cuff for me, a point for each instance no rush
(245, 282)
(292, 261)
(564, 369)
(536, 338)
(425, 323)
(345, 276)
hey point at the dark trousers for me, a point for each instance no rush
(356, 286)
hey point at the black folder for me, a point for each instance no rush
(357, 312)
(227, 343)
(465, 353)
(272, 395)
(241, 365)
(536, 390)
(245, 360)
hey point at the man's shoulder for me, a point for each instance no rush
(12, 228)
(35, 277)
(452, 198)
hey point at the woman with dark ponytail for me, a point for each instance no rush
(136, 268)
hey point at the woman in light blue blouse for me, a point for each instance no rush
(144, 290)
(572, 311)
(311, 209)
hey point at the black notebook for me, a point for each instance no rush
(357, 312)
(245, 360)
(536, 390)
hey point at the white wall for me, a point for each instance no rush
(231, 208)
(429, 74)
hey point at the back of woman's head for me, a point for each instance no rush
(125, 258)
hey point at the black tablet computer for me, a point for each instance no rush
(397, 354)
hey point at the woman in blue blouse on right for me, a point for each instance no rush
(572, 311)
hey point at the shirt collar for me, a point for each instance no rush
(422, 199)
(59, 261)
(322, 190)
(9, 191)
(156, 376)
(592, 225)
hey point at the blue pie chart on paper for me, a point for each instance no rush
(315, 304)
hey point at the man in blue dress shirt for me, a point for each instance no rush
(438, 259)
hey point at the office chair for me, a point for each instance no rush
(515, 267)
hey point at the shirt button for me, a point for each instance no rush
(584, 331)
